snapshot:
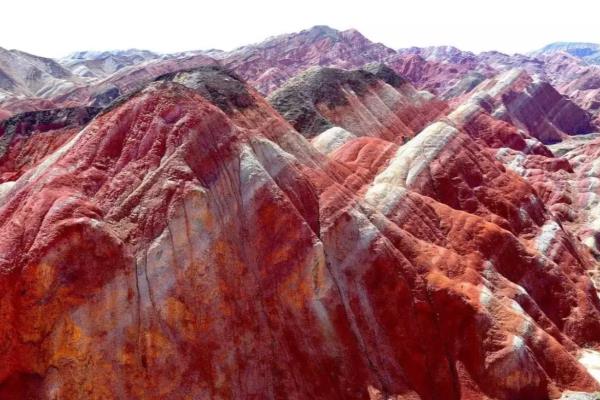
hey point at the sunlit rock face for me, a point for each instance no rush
(190, 243)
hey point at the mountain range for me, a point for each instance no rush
(316, 216)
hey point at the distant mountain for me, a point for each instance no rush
(26, 75)
(589, 52)
(268, 64)
(100, 64)
(98, 77)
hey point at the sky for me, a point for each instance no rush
(58, 27)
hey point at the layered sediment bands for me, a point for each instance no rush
(28, 123)
(534, 106)
(369, 102)
(269, 64)
(186, 244)
(436, 76)
(473, 116)
(582, 188)
(25, 139)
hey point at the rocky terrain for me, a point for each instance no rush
(372, 101)
(23, 75)
(412, 224)
(102, 64)
(96, 78)
(589, 52)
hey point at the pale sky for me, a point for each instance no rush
(54, 28)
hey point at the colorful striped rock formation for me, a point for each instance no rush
(27, 138)
(532, 105)
(373, 101)
(190, 243)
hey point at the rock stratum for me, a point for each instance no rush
(166, 232)
(189, 241)
(89, 78)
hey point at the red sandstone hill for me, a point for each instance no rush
(167, 232)
(27, 138)
(189, 242)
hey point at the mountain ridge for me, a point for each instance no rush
(384, 225)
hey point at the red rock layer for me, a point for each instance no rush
(26, 138)
(172, 249)
(25, 152)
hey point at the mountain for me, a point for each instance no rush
(437, 76)
(533, 105)
(100, 92)
(589, 52)
(372, 101)
(99, 77)
(577, 79)
(101, 64)
(130, 78)
(166, 231)
(192, 206)
(27, 138)
(268, 64)
(26, 75)
(450, 72)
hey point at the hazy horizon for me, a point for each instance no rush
(62, 27)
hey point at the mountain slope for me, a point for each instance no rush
(102, 64)
(589, 52)
(189, 242)
(532, 105)
(373, 101)
(24, 74)
(268, 64)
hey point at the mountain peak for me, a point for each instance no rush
(217, 84)
(589, 52)
(323, 29)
